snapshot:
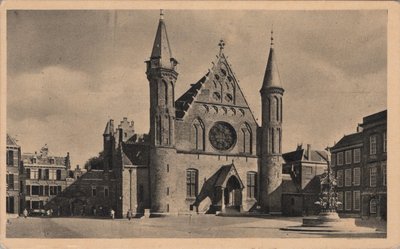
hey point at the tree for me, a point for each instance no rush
(96, 162)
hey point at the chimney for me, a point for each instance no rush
(309, 152)
(359, 128)
(120, 136)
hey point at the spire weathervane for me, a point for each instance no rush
(221, 45)
(161, 14)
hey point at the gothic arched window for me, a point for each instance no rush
(198, 134)
(246, 139)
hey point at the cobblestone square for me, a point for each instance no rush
(198, 226)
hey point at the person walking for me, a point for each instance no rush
(129, 214)
(25, 213)
(112, 212)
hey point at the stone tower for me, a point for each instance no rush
(271, 140)
(162, 75)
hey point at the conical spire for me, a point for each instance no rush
(161, 48)
(271, 77)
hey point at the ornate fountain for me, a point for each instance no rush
(328, 220)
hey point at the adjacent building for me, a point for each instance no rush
(43, 176)
(13, 161)
(359, 161)
(306, 167)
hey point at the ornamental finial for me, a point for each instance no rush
(221, 45)
(161, 14)
(272, 35)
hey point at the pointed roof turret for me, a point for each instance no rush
(161, 48)
(271, 76)
(109, 130)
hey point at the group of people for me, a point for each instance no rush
(49, 212)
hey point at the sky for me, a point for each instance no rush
(69, 71)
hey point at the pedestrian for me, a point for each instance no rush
(129, 214)
(25, 213)
(112, 212)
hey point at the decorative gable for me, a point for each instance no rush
(218, 92)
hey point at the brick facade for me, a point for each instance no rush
(359, 162)
(13, 161)
(43, 176)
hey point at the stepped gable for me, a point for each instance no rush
(218, 87)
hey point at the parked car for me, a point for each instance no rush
(37, 212)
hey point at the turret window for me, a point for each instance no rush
(165, 92)
(273, 140)
(277, 108)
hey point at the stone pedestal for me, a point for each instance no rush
(328, 222)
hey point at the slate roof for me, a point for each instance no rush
(135, 154)
(11, 141)
(161, 47)
(44, 159)
(183, 103)
(301, 155)
(375, 117)
(109, 127)
(348, 140)
(223, 175)
(271, 76)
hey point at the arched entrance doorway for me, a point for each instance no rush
(78, 207)
(233, 194)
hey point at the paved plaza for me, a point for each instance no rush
(198, 226)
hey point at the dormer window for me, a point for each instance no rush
(51, 160)
(33, 160)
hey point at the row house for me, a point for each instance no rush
(359, 162)
(44, 177)
(13, 161)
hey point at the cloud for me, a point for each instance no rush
(68, 109)
(70, 71)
